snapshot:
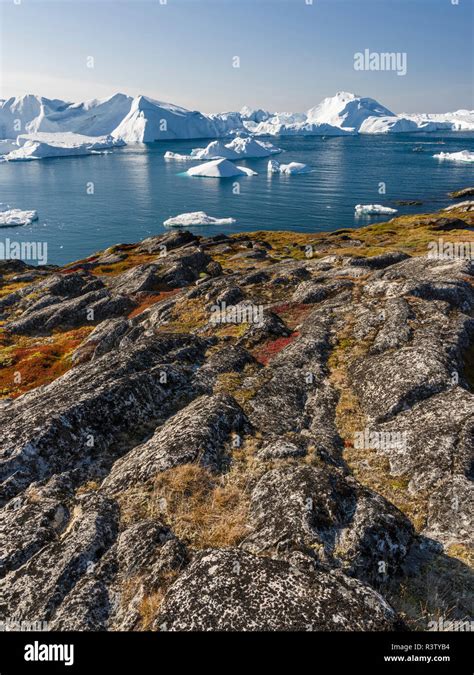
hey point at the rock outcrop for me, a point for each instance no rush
(293, 461)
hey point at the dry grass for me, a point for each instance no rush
(202, 508)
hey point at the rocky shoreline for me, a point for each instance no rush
(268, 431)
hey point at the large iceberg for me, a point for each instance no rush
(150, 120)
(346, 111)
(30, 114)
(287, 125)
(41, 145)
(460, 120)
(462, 156)
(400, 125)
(143, 119)
(10, 217)
(196, 218)
(220, 168)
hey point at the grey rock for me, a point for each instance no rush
(232, 590)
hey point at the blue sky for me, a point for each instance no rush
(291, 54)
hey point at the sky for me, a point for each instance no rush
(292, 53)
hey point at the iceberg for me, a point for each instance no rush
(254, 114)
(239, 148)
(282, 125)
(215, 150)
(346, 111)
(460, 120)
(373, 210)
(290, 169)
(32, 114)
(220, 168)
(400, 125)
(196, 218)
(149, 120)
(11, 217)
(462, 156)
(144, 120)
(42, 145)
(178, 157)
(252, 149)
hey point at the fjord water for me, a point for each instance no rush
(86, 204)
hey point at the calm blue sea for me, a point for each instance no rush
(136, 189)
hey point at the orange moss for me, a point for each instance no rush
(131, 260)
(32, 362)
(151, 300)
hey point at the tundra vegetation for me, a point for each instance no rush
(163, 471)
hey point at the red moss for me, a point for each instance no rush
(292, 313)
(270, 349)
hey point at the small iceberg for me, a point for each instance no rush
(252, 149)
(176, 156)
(196, 218)
(42, 145)
(12, 217)
(373, 210)
(239, 148)
(220, 168)
(215, 150)
(289, 169)
(462, 156)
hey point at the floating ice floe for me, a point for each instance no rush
(462, 156)
(178, 157)
(11, 217)
(42, 145)
(373, 210)
(290, 169)
(220, 168)
(196, 218)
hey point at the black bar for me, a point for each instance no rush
(324, 653)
